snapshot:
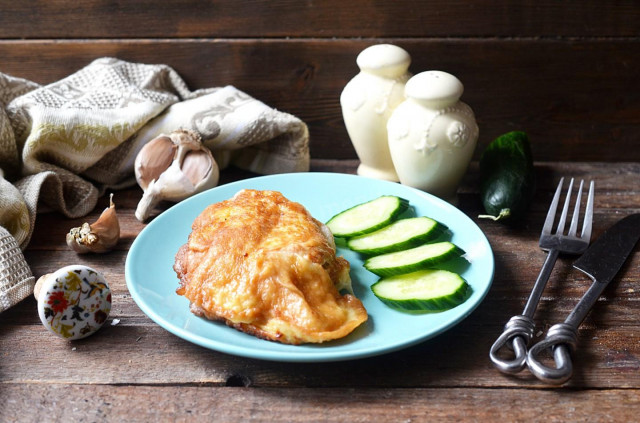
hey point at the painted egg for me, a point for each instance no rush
(73, 302)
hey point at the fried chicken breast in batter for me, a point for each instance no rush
(265, 266)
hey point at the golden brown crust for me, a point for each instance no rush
(265, 266)
(180, 267)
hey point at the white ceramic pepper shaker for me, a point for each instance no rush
(432, 134)
(367, 103)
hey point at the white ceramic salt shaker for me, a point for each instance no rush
(432, 134)
(367, 103)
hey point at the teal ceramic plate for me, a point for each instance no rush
(152, 281)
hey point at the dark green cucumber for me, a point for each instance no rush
(424, 290)
(413, 259)
(507, 177)
(367, 217)
(399, 235)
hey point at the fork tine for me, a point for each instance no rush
(565, 209)
(588, 214)
(576, 212)
(548, 222)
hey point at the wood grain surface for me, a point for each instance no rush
(325, 19)
(151, 403)
(449, 376)
(564, 72)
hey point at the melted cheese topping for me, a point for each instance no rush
(265, 266)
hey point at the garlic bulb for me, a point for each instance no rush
(99, 237)
(173, 167)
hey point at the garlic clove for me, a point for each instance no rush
(159, 154)
(196, 166)
(192, 169)
(98, 237)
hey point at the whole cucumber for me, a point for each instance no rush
(507, 177)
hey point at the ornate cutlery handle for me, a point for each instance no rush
(561, 340)
(518, 332)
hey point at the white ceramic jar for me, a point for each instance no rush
(432, 134)
(367, 103)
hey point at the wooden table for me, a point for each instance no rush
(564, 72)
(133, 370)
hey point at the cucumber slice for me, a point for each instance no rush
(367, 217)
(424, 290)
(414, 259)
(400, 235)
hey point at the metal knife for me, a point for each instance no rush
(601, 262)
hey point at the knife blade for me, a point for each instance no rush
(607, 254)
(603, 260)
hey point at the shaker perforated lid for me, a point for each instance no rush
(384, 59)
(434, 87)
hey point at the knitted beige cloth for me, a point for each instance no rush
(62, 145)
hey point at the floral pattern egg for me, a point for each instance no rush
(73, 302)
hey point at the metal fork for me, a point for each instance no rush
(518, 332)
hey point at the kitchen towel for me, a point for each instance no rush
(64, 144)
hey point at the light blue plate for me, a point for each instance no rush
(152, 281)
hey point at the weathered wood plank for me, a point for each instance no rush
(511, 287)
(138, 352)
(616, 196)
(332, 18)
(580, 106)
(512, 271)
(68, 402)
